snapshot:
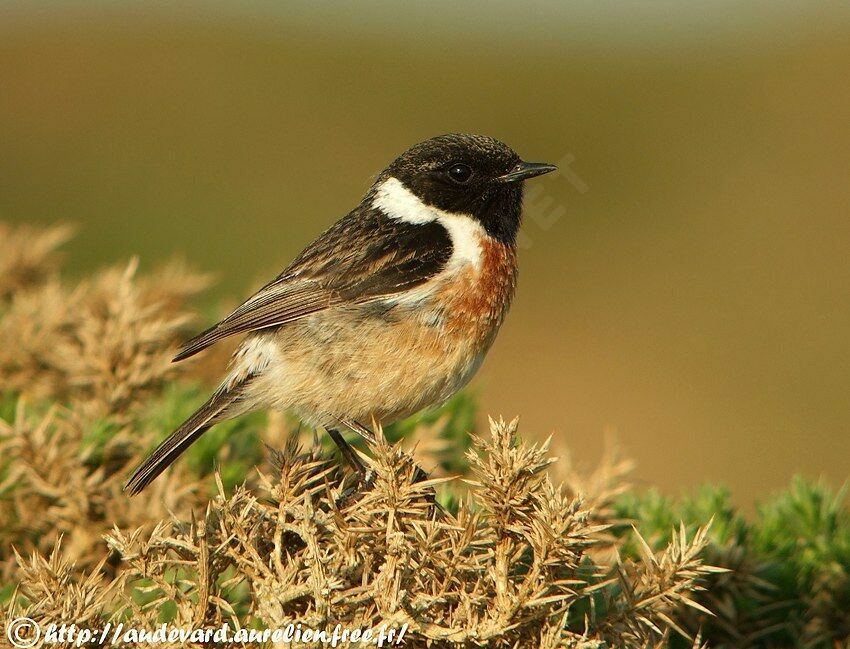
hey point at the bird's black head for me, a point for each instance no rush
(469, 174)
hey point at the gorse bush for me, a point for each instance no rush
(788, 579)
(260, 526)
(507, 567)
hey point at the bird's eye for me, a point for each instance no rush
(460, 173)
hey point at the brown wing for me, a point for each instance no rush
(364, 256)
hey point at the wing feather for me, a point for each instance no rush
(363, 257)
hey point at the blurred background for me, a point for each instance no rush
(684, 280)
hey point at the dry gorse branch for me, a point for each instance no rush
(56, 484)
(104, 344)
(509, 568)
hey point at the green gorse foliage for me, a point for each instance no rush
(788, 583)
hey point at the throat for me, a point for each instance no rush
(502, 215)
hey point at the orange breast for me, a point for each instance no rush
(478, 298)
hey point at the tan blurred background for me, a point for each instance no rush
(685, 283)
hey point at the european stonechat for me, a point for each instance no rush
(391, 310)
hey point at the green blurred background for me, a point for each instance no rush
(685, 282)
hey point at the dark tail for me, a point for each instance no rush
(198, 343)
(213, 411)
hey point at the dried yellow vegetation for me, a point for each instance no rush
(519, 554)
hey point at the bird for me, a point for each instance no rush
(391, 310)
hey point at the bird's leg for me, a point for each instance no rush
(419, 473)
(364, 476)
(347, 452)
(360, 429)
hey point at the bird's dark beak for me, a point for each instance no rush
(526, 170)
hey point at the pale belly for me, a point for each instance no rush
(342, 364)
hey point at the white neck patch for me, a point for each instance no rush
(398, 202)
